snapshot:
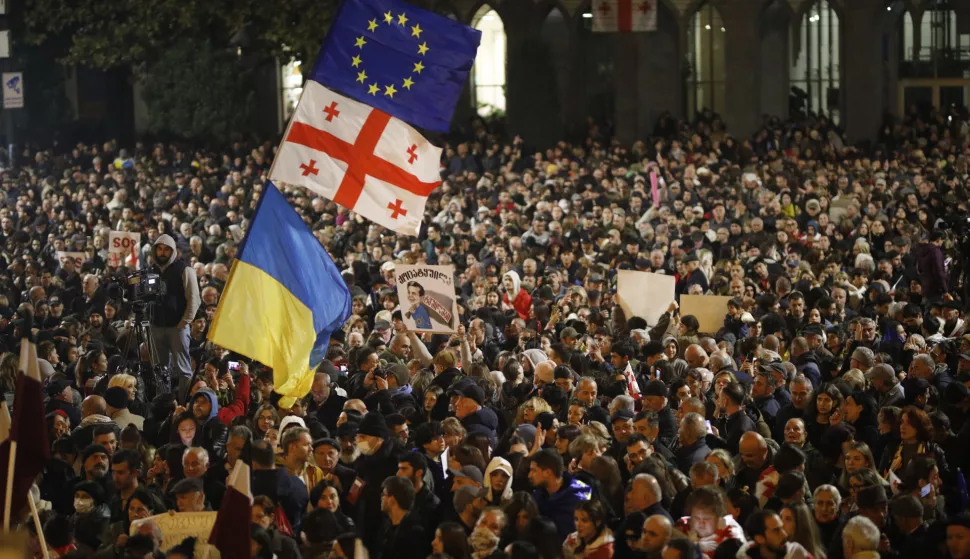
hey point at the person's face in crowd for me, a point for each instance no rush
(824, 403)
(800, 393)
(109, 441)
(826, 507)
(586, 393)
(138, 510)
(958, 541)
(703, 522)
(96, 465)
(851, 410)
(194, 465)
(670, 350)
(622, 429)
(720, 382)
(234, 447)
(124, 478)
(795, 432)
(761, 388)
(585, 527)
(855, 460)
(192, 501)
(906, 430)
(201, 407)
(186, 430)
(61, 427)
(775, 538)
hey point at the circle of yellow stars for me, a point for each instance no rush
(374, 88)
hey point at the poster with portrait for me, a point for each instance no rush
(427, 298)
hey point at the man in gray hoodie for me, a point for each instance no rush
(173, 313)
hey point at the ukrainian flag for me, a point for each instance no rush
(283, 299)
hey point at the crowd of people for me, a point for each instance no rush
(826, 418)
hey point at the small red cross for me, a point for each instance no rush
(411, 152)
(644, 7)
(396, 209)
(604, 8)
(332, 111)
(309, 169)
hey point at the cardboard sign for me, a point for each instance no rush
(427, 298)
(77, 257)
(176, 526)
(708, 309)
(644, 294)
(124, 249)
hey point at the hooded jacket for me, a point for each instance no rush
(212, 434)
(498, 463)
(182, 299)
(522, 303)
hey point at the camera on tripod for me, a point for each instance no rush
(143, 286)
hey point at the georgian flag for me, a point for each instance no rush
(359, 157)
(611, 16)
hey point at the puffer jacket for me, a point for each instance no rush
(559, 506)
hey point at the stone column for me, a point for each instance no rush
(862, 75)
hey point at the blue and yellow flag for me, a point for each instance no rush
(403, 60)
(283, 299)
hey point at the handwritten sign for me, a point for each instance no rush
(177, 526)
(123, 249)
(644, 294)
(427, 296)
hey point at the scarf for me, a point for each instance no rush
(483, 542)
(897, 462)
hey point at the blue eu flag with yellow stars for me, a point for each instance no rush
(403, 60)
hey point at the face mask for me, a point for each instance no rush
(366, 448)
(83, 505)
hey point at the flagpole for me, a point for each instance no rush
(8, 497)
(37, 525)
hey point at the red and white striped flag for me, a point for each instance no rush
(611, 16)
(230, 533)
(360, 157)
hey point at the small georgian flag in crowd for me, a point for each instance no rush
(611, 16)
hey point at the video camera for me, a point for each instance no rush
(143, 286)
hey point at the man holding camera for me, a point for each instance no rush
(174, 312)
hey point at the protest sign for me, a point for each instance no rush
(177, 526)
(427, 297)
(77, 257)
(644, 294)
(708, 309)
(123, 249)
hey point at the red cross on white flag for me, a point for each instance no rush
(359, 157)
(611, 16)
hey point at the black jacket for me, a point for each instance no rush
(407, 540)
(371, 472)
(736, 426)
(329, 412)
(691, 454)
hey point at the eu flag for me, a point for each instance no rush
(403, 60)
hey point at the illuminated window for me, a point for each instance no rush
(292, 82)
(705, 82)
(488, 73)
(815, 73)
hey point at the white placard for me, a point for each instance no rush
(13, 90)
(427, 297)
(78, 257)
(4, 43)
(124, 249)
(176, 526)
(644, 294)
